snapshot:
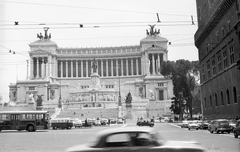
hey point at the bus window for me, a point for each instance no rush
(3, 117)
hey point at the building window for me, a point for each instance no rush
(205, 102)
(213, 65)
(210, 101)
(222, 99)
(217, 36)
(212, 44)
(161, 97)
(219, 60)
(234, 94)
(160, 84)
(203, 74)
(31, 88)
(207, 50)
(208, 69)
(109, 86)
(223, 31)
(231, 52)
(225, 59)
(216, 99)
(84, 87)
(229, 25)
(228, 97)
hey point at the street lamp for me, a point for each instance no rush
(60, 97)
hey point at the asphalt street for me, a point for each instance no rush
(59, 140)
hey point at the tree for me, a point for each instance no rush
(128, 100)
(183, 74)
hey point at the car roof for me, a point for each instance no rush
(124, 130)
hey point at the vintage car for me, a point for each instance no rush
(77, 123)
(219, 125)
(145, 123)
(204, 125)
(193, 125)
(134, 139)
(185, 124)
(62, 123)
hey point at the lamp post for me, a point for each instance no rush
(60, 97)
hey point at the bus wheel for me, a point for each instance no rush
(30, 128)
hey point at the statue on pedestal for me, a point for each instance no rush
(94, 65)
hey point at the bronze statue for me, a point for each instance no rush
(152, 29)
(94, 65)
(40, 36)
(39, 100)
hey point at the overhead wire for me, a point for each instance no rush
(91, 8)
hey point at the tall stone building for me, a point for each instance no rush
(97, 77)
(217, 40)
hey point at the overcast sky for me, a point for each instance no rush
(105, 23)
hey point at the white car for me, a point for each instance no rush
(133, 139)
(193, 125)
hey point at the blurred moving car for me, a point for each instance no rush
(219, 125)
(232, 124)
(134, 139)
(236, 130)
(193, 125)
(185, 124)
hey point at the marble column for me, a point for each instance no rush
(137, 72)
(37, 75)
(81, 68)
(86, 68)
(71, 61)
(66, 68)
(107, 68)
(61, 68)
(159, 64)
(153, 64)
(42, 68)
(132, 73)
(101, 68)
(117, 67)
(77, 68)
(31, 67)
(122, 66)
(127, 66)
(112, 67)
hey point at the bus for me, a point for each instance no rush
(24, 120)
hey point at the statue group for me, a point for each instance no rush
(152, 31)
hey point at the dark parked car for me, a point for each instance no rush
(204, 125)
(236, 130)
(134, 139)
(62, 123)
(145, 123)
(219, 125)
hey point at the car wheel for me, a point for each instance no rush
(235, 134)
(228, 132)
